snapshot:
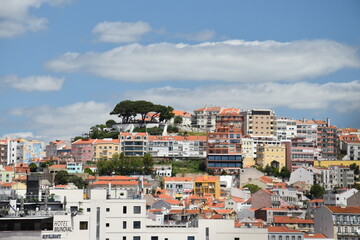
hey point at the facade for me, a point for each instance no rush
(350, 145)
(3, 152)
(74, 167)
(53, 148)
(339, 197)
(207, 185)
(272, 155)
(224, 148)
(179, 185)
(185, 116)
(177, 146)
(326, 140)
(248, 151)
(307, 130)
(260, 123)
(248, 174)
(134, 144)
(83, 150)
(265, 199)
(205, 118)
(6, 174)
(24, 151)
(285, 128)
(284, 233)
(339, 223)
(230, 116)
(163, 170)
(302, 174)
(303, 152)
(106, 148)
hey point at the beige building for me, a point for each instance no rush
(260, 123)
(248, 152)
(272, 155)
(106, 147)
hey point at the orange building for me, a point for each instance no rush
(207, 185)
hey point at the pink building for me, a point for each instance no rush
(82, 150)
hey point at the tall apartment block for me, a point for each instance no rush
(224, 148)
(260, 123)
(326, 140)
(134, 144)
(285, 128)
(205, 118)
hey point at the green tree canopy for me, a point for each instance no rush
(316, 191)
(33, 167)
(178, 120)
(252, 187)
(61, 178)
(109, 123)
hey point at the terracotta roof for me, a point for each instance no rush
(172, 201)
(193, 211)
(9, 184)
(155, 210)
(274, 209)
(176, 211)
(61, 186)
(223, 211)
(113, 178)
(281, 229)
(164, 196)
(208, 109)
(58, 166)
(116, 183)
(181, 113)
(266, 179)
(9, 168)
(236, 199)
(317, 200)
(314, 235)
(177, 138)
(178, 179)
(336, 209)
(286, 219)
(84, 141)
(102, 141)
(206, 179)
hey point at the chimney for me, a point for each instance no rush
(328, 122)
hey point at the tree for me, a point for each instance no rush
(284, 173)
(355, 168)
(89, 171)
(316, 191)
(148, 162)
(61, 178)
(166, 113)
(33, 167)
(178, 120)
(252, 187)
(125, 110)
(77, 181)
(110, 123)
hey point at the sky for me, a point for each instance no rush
(65, 64)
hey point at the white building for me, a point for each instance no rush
(339, 198)
(24, 151)
(163, 170)
(205, 118)
(302, 174)
(285, 128)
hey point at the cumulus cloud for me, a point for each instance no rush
(232, 61)
(201, 36)
(27, 135)
(120, 32)
(15, 18)
(343, 97)
(33, 83)
(64, 122)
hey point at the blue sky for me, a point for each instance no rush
(64, 64)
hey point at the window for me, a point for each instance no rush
(236, 238)
(107, 224)
(124, 238)
(108, 209)
(124, 224)
(190, 238)
(136, 238)
(154, 238)
(136, 224)
(124, 209)
(83, 226)
(137, 209)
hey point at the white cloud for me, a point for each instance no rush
(232, 61)
(65, 122)
(33, 83)
(26, 135)
(342, 97)
(201, 36)
(121, 32)
(15, 18)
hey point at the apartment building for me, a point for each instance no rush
(339, 197)
(54, 147)
(134, 144)
(248, 151)
(179, 185)
(271, 154)
(284, 233)
(230, 116)
(342, 176)
(339, 223)
(224, 148)
(265, 199)
(260, 123)
(83, 150)
(326, 140)
(106, 148)
(177, 146)
(207, 185)
(303, 152)
(3, 152)
(205, 118)
(306, 129)
(285, 128)
(350, 145)
(24, 151)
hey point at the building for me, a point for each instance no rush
(307, 130)
(163, 170)
(302, 174)
(24, 151)
(342, 176)
(207, 185)
(185, 116)
(3, 152)
(179, 185)
(350, 146)
(106, 148)
(248, 151)
(6, 173)
(265, 199)
(339, 197)
(205, 118)
(74, 167)
(248, 174)
(339, 223)
(177, 146)
(134, 144)
(83, 150)
(230, 116)
(224, 148)
(284, 233)
(285, 128)
(271, 154)
(304, 225)
(54, 147)
(303, 152)
(326, 140)
(260, 123)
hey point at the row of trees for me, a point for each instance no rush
(127, 110)
(63, 178)
(119, 164)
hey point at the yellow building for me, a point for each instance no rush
(271, 154)
(106, 147)
(207, 185)
(326, 163)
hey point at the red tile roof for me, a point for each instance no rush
(314, 235)
(281, 230)
(178, 179)
(286, 219)
(181, 113)
(206, 179)
(172, 201)
(266, 179)
(116, 183)
(58, 166)
(336, 209)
